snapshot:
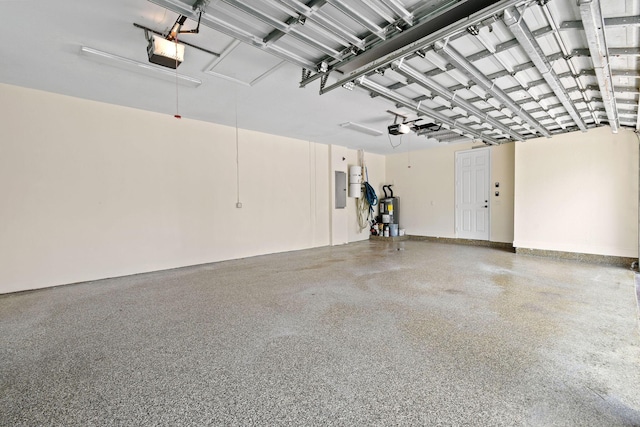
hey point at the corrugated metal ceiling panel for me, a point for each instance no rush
(480, 65)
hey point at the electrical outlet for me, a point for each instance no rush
(238, 205)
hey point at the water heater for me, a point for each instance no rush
(389, 207)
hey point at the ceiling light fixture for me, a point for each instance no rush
(131, 65)
(361, 128)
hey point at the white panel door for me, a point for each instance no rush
(472, 194)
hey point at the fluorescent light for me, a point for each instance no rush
(148, 69)
(361, 128)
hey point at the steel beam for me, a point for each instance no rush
(613, 51)
(591, 15)
(522, 33)
(622, 21)
(421, 43)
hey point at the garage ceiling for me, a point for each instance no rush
(342, 71)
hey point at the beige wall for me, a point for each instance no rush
(92, 190)
(425, 182)
(578, 192)
(502, 171)
(339, 217)
(344, 222)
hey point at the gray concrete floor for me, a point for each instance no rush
(411, 333)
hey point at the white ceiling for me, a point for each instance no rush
(43, 42)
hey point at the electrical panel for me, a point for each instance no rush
(341, 190)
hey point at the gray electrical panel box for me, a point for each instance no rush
(341, 190)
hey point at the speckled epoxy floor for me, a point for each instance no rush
(362, 334)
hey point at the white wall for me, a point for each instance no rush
(91, 190)
(425, 182)
(578, 192)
